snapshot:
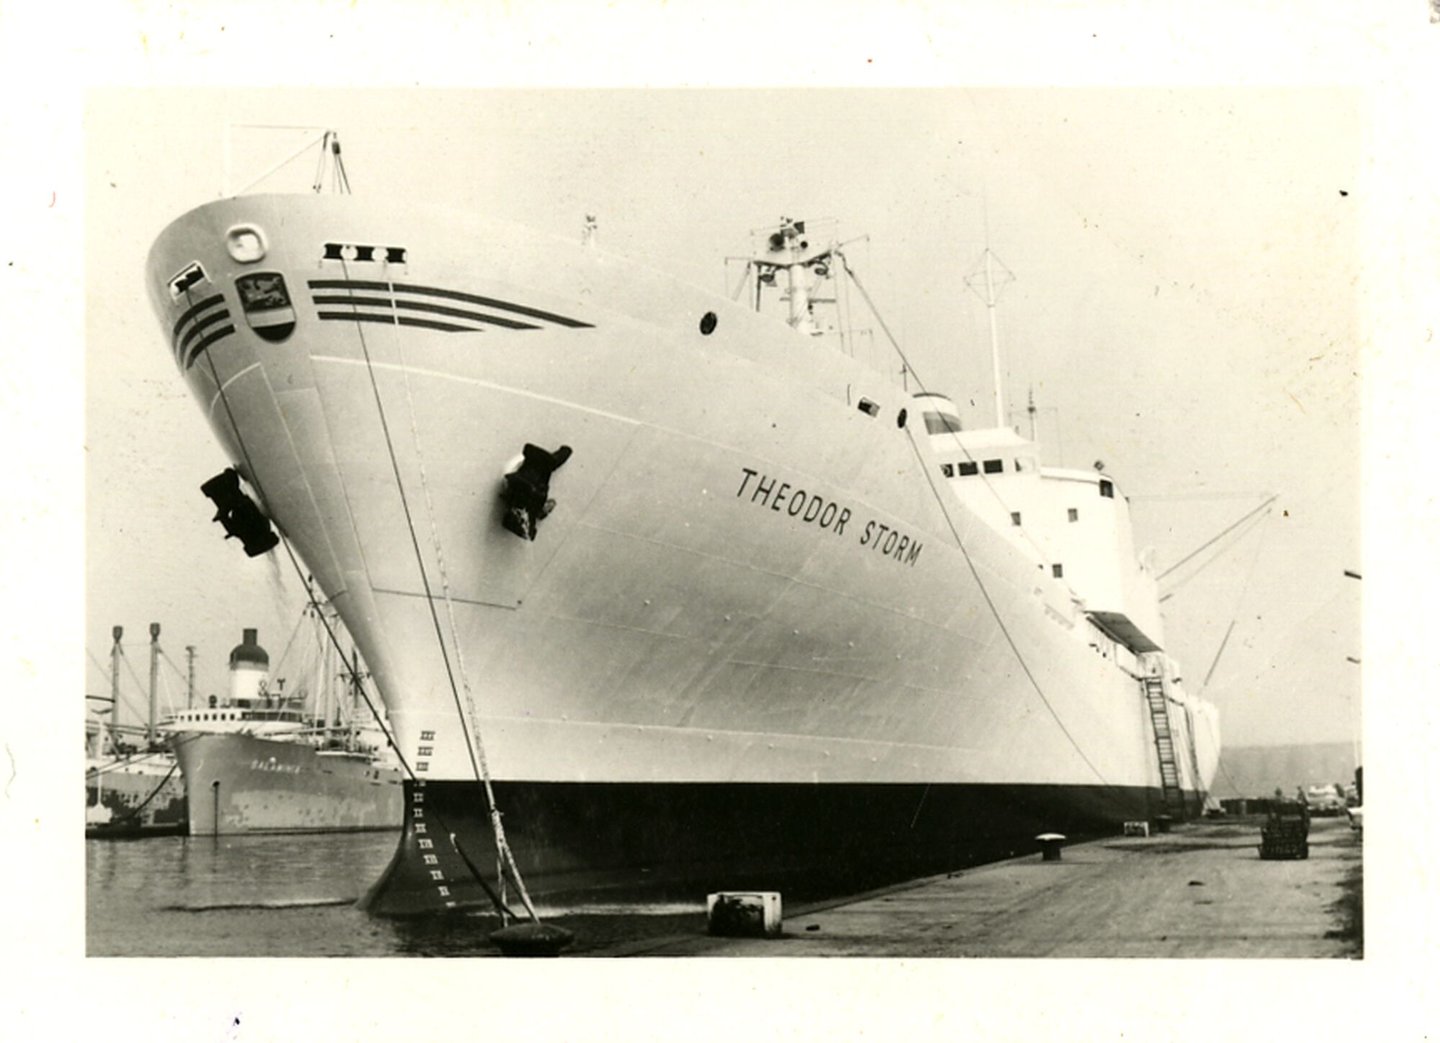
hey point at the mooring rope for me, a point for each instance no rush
(254, 479)
(134, 813)
(502, 846)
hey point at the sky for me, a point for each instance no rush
(1183, 308)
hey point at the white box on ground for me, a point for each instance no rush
(743, 914)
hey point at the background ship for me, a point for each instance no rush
(132, 794)
(267, 761)
(702, 597)
(133, 785)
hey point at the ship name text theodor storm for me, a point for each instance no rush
(813, 509)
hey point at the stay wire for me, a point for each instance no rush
(1221, 534)
(995, 612)
(965, 553)
(254, 479)
(471, 735)
(124, 701)
(380, 722)
(502, 845)
(955, 435)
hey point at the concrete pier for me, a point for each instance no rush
(1201, 890)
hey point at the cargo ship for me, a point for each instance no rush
(133, 786)
(133, 794)
(263, 760)
(704, 599)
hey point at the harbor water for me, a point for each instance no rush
(279, 895)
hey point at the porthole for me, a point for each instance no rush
(900, 418)
(707, 323)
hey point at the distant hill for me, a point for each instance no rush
(1255, 771)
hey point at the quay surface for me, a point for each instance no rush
(1199, 891)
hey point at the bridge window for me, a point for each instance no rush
(1073, 514)
(968, 467)
(1014, 517)
(941, 423)
(1057, 571)
(994, 466)
(1107, 488)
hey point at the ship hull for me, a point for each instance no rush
(241, 783)
(144, 796)
(638, 841)
(751, 582)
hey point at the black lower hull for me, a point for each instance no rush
(574, 840)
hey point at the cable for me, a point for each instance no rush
(994, 611)
(1223, 532)
(254, 478)
(1040, 552)
(974, 571)
(472, 742)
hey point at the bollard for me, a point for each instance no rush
(744, 914)
(1050, 846)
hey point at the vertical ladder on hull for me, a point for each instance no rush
(1170, 793)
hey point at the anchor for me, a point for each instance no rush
(526, 493)
(238, 513)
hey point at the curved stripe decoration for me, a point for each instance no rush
(198, 327)
(387, 304)
(402, 296)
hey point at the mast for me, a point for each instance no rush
(115, 632)
(189, 676)
(154, 678)
(330, 705)
(994, 342)
(797, 294)
(989, 261)
(352, 732)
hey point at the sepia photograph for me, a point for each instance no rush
(964, 494)
(906, 551)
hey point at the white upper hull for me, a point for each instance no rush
(674, 620)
